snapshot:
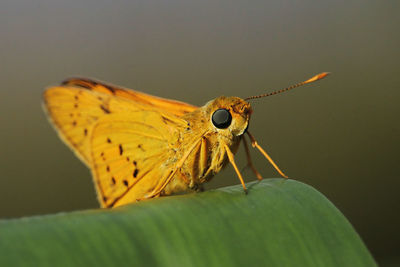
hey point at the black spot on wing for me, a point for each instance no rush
(106, 110)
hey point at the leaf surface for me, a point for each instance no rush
(278, 223)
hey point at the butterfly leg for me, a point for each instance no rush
(256, 145)
(232, 160)
(249, 161)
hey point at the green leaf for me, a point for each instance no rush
(278, 223)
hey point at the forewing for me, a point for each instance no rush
(73, 112)
(76, 105)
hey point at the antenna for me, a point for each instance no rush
(313, 79)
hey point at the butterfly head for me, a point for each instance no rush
(229, 114)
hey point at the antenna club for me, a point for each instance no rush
(312, 79)
(317, 77)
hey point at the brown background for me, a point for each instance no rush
(340, 135)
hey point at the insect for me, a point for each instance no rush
(139, 146)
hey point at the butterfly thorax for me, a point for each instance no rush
(208, 155)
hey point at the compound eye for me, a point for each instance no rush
(221, 118)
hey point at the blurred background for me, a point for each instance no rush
(340, 135)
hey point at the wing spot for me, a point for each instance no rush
(120, 149)
(75, 105)
(71, 115)
(135, 163)
(125, 182)
(76, 98)
(108, 168)
(106, 110)
(85, 131)
(109, 140)
(74, 123)
(104, 198)
(140, 147)
(113, 180)
(135, 173)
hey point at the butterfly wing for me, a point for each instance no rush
(125, 137)
(77, 104)
(73, 112)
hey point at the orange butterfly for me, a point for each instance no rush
(140, 146)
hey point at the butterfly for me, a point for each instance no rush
(139, 146)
